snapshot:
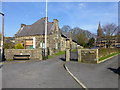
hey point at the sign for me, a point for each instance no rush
(29, 42)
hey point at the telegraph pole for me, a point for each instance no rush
(46, 31)
(2, 37)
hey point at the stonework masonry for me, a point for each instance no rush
(88, 55)
(35, 54)
(33, 36)
(84, 55)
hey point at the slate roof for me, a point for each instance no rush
(36, 28)
(67, 35)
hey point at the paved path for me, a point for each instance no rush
(103, 75)
(40, 74)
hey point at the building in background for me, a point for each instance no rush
(106, 41)
(33, 36)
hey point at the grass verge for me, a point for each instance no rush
(74, 50)
(9, 60)
(56, 54)
(110, 55)
(60, 53)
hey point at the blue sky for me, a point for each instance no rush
(85, 15)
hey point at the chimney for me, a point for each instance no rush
(23, 25)
(70, 36)
(45, 18)
(55, 21)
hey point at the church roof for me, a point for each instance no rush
(37, 28)
(99, 26)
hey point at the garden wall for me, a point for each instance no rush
(107, 51)
(35, 54)
(88, 55)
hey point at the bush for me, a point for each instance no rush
(19, 46)
(9, 45)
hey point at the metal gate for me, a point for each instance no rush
(73, 55)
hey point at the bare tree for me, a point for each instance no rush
(78, 34)
(110, 30)
(66, 28)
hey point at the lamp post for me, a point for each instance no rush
(2, 37)
(46, 31)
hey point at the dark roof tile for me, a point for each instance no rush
(36, 28)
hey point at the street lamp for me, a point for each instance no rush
(2, 37)
(46, 31)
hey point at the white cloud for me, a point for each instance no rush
(81, 5)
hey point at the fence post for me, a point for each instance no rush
(79, 55)
(67, 54)
(97, 56)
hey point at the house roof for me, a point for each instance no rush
(36, 28)
(67, 35)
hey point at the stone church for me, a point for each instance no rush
(33, 36)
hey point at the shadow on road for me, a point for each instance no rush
(1, 66)
(73, 57)
(63, 59)
(74, 60)
(117, 71)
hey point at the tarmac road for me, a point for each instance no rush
(41, 74)
(51, 74)
(103, 75)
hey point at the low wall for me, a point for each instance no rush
(107, 51)
(91, 55)
(88, 55)
(35, 54)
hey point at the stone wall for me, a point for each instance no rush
(39, 39)
(107, 51)
(88, 55)
(74, 45)
(67, 54)
(63, 44)
(35, 54)
(51, 42)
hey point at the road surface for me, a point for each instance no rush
(51, 74)
(42, 74)
(103, 75)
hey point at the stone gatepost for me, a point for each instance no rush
(40, 53)
(79, 55)
(97, 58)
(68, 51)
(50, 51)
(67, 54)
